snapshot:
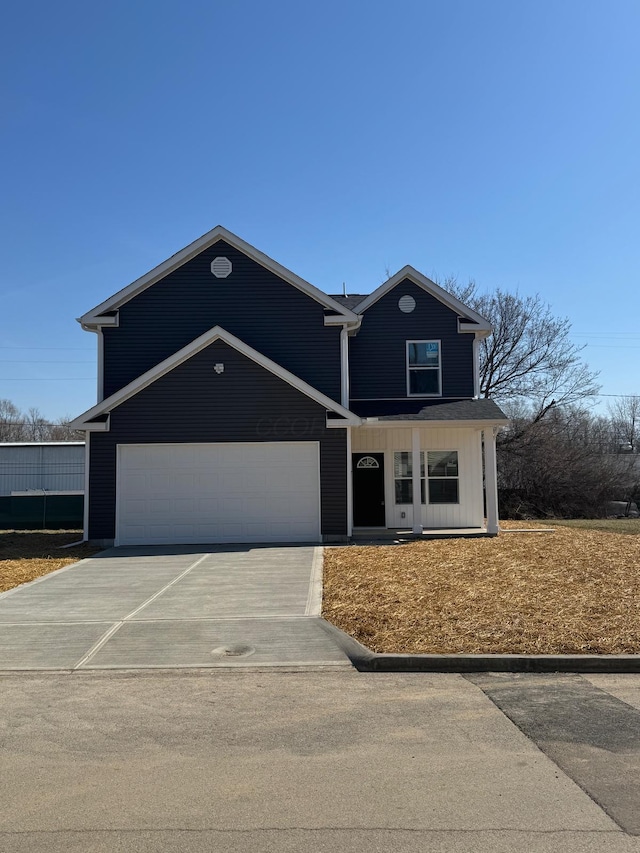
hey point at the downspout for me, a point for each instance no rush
(344, 400)
(476, 367)
(344, 366)
(100, 388)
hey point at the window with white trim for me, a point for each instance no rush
(442, 474)
(402, 475)
(423, 369)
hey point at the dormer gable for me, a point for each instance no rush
(416, 344)
(469, 320)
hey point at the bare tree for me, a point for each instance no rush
(529, 357)
(33, 426)
(625, 423)
(36, 426)
(61, 431)
(559, 466)
(11, 426)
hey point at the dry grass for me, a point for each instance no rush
(28, 554)
(609, 525)
(573, 591)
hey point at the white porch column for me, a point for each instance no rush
(491, 480)
(415, 481)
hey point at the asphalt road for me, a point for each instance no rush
(321, 760)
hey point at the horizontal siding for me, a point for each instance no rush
(469, 512)
(377, 354)
(253, 303)
(55, 468)
(195, 404)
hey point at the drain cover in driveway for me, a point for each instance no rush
(233, 650)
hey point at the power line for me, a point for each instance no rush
(603, 335)
(80, 349)
(41, 361)
(48, 379)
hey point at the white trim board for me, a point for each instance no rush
(215, 334)
(96, 317)
(38, 493)
(474, 321)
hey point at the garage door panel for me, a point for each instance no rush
(231, 509)
(235, 492)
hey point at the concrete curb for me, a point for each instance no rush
(364, 660)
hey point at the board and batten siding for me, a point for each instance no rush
(469, 512)
(195, 404)
(377, 354)
(254, 304)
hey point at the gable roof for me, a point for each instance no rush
(206, 241)
(217, 333)
(476, 323)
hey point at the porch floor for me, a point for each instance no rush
(387, 534)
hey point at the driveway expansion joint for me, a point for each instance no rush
(148, 609)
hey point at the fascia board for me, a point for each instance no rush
(207, 240)
(334, 423)
(85, 423)
(430, 287)
(341, 320)
(196, 346)
(474, 328)
(371, 423)
(97, 322)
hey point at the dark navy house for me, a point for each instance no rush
(239, 403)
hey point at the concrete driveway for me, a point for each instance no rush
(180, 606)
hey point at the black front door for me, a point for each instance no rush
(368, 490)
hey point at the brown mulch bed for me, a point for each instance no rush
(573, 591)
(28, 554)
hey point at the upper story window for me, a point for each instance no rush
(424, 374)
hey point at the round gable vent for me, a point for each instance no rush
(406, 304)
(221, 267)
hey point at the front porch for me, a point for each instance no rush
(385, 534)
(422, 480)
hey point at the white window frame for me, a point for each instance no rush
(414, 367)
(423, 479)
(429, 477)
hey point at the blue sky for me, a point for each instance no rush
(497, 141)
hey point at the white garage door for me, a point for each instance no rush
(238, 492)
